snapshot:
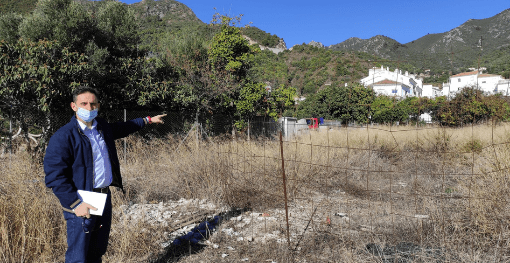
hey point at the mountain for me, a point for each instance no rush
(454, 50)
(167, 11)
(379, 45)
(483, 41)
(156, 17)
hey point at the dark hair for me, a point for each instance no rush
(84, 89)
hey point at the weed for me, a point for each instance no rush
(391, 186)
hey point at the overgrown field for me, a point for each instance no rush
(376, 194)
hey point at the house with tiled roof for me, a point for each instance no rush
(393, 83)
(391, 88)
(488, 83)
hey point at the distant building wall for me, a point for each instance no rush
(381, 79)
(488, 83)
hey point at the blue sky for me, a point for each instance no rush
(334, 21)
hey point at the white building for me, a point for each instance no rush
(393, 83)
(430, 91)
(503, 87)
(488, 83)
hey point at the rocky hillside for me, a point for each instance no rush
(453, 50)
(167, 11)
(379, 45)
(443, 54)
(157, 17)
(280, 47)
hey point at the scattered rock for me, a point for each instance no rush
(375, 249)
(341, 214)
(316, 44)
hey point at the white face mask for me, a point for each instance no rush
(86, 115)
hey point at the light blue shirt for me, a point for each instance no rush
(102, 166)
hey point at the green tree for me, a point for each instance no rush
(9, 24)
(269, 67)
(385, 110)
(65, 21)
(471, 105)
(340, 103)
(117, 29)
(360, 100)
(108, 37)
(60, 36)
(118, 68)
(212, 73)
(186, 50)
(230, 52)
(36, 80)
(280, 99)
(231, 58)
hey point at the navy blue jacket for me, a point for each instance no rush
(68, 162)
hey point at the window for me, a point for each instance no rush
(459, 79)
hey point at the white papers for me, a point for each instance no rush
(97, 200)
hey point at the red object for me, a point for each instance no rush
(314, 123)
(149, 118)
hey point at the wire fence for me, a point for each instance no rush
(402, 194)
(409, 192)
(177, 124)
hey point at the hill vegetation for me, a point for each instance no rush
(446, 53)
(17, 6)
(187, 69)
(209, 71)
(262, 37)
(194, 69)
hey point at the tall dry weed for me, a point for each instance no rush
(489, 189)
(31, 223)
(384, 175)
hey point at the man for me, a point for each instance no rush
(81, 155)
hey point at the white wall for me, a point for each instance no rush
(376, 75)
(504, 86)
(386, 89)
(486, 82)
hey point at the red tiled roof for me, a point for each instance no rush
(487, 75)
(463, 74)
(386, 82)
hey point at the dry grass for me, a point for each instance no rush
(442, 190)
(30, 219)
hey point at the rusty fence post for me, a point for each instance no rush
(285, 189)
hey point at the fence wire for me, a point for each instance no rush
(405, 193)
(423, 194)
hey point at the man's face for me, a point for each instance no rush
(87, 101)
